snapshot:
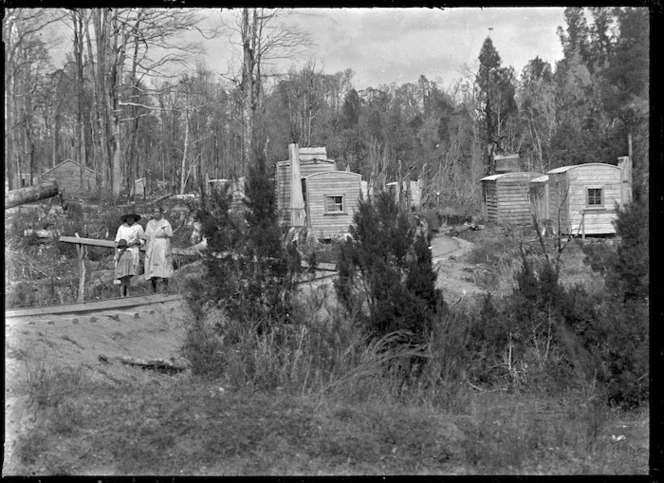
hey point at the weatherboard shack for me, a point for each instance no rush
(312, 193)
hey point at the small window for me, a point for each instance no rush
(334, 204)
(595, 197)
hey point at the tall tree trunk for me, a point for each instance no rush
(77, 18)
(10, 168)
(249, 25)
(183, 170)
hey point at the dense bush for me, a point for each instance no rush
(544, 336)
(249, 274)
(386, 275)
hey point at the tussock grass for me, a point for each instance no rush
(186, 425)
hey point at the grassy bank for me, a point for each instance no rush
(183, 425)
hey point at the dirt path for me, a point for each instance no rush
(453, 273)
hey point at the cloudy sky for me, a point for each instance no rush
(399, 44)
(385, 45)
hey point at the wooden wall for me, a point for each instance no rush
(68, 176)
(571, 198)
(332, 183)
(307, 167)
(490, 201)
(507, 197)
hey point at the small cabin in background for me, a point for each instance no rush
(68, 176)
(506, 197)
(330, 197)
(411, 190)
(140, 188)
(584, 197)
(312, 161)
(235, 186)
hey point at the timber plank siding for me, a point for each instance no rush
(308, 166)
(569, 198)
(325, 224)
(507, 197)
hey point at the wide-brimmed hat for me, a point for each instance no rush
(135, 217)
(122, 243)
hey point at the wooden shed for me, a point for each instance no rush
(584, 197)
(411, 189)
(312, 161)
(331, 199)
(68, 176)
(506, 197)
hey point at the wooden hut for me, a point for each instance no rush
(410, 189)
(583, 198)
(331, 199)
(506, 197)
(68, 176)
(312, 161)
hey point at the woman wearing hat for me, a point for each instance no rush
(133, 233)
(158, 253)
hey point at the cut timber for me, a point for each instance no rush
(121, 303)
(327, 267)
(31, 193)
(95, 242)
(154, 364)
(41, 233)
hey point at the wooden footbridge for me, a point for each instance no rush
(95, 306)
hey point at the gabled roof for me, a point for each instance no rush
(337, 173)
(514, 174)
(65, 162)
(564, 169)
(307, 161)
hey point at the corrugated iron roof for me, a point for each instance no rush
(564, 169)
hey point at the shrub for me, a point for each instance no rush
(629, 274)
(250, 278)
(387, 269)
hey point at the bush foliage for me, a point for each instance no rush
(391, 334)
(386, 267)
(250, 275)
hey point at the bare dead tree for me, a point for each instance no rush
(20, 30)
(265, 38)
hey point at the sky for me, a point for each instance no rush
(397, 45)
(385, 45)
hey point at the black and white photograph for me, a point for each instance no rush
(342, 242)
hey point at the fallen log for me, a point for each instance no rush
(41, 233)
(160, 365)
(153, 202)
(22, 196)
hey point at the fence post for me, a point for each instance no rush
(81, 250)
(583, 225)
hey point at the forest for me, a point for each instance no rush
(115, 108)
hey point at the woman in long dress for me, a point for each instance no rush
(133, 234)
(158, 254)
